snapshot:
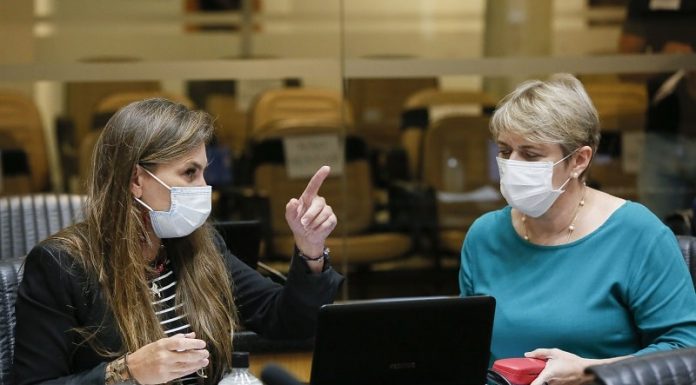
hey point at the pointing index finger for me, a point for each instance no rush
(314, 184)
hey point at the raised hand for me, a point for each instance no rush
(310, 218)
(168, 359)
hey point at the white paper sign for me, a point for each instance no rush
(670, 5)
(305, 154)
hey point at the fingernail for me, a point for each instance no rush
(303, 221)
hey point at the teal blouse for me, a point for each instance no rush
(623, 289)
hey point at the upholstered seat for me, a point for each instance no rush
(25, 220)
(10, 275)
(687, 243)
(676, 367)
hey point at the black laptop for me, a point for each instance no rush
(410, 341)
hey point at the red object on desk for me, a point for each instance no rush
(519, 371)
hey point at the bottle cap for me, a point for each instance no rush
(240, 359)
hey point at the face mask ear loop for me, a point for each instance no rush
(156, 178)
(567, 180)
(564, 158)
(143, 203)
(564, 184)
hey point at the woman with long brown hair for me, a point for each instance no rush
(143, 290)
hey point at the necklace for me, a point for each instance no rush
(571, 226)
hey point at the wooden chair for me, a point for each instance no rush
(351, 195)
(20, 120)
(296, 113)
(456, 165)
(298, 104)
(103, 112)
(427, 106)
(621, 107)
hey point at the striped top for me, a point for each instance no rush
(163, 290)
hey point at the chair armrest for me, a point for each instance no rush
(275, 275)
(10, 277)
(675, 367)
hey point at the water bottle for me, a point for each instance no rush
(240, 374)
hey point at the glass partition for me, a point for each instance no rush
(394, 81)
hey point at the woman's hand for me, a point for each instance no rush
(310, 218)
(168, 359)
(562, 368)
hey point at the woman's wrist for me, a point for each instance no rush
(117, 372)
(315, 261)
(319, 258)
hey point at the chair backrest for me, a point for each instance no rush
(10, 276)
(298, 103)
(352, 202)
(20, 119)
(378, 104)
(105, 109)
(456, 160)
(111, 103)
(687, 243)
(15, 172)
(429, 105)
(231, 122)
(460, 143)
(621, 105)
(434, 97)
(25, 220)
(675, 367)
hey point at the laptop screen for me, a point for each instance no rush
(411, 341)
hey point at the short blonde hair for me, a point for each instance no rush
(554, 111)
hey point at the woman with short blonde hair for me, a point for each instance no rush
(580, 277)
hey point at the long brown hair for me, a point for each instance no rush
(109, 243)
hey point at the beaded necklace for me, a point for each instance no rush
(571, 226)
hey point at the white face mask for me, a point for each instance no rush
(528, 186)
(190, 207)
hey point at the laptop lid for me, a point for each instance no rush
(410, 341)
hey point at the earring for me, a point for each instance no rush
(575, 175)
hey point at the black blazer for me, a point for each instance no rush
(56, 296)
